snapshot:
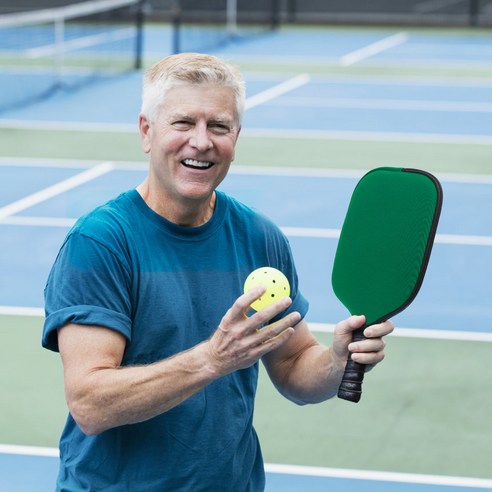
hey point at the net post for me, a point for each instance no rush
(176, 20)
(231, 15)
(275, 14)
(59, 48)
(473, 8)
(291, 11)
(140, 15)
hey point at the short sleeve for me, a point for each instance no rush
(88, 284)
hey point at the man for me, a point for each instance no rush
(144, 302)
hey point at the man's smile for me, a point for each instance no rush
(195, 164)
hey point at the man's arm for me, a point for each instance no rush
(305, 371)
(101, 394)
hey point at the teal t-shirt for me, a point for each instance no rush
(165, 288)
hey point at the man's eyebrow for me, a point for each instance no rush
(219, 118)
(179, 116)
(225, 120)
(222, 120)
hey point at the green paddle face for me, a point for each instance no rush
(385, 242)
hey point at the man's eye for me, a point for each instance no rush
(182, 125)
(219, 128)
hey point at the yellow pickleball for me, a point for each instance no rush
(275, 282)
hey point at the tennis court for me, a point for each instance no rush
(324, 105)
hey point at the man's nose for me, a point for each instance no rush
(200, 138)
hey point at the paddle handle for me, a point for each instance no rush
(351, 386)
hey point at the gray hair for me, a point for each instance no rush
(194, 69)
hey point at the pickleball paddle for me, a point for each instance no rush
(383, 251)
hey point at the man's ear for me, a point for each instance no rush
(145, 132)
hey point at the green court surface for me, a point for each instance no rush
(426, 410)
(260, 150)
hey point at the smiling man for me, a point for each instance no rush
(145, 305)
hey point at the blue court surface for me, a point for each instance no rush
(43, 470)
(462, 249)
(389, 97)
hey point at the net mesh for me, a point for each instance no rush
(201, 25)
(47, 50)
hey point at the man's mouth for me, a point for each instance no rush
(194, 164)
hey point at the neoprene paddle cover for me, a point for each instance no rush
(384, 248)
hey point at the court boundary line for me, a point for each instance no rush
(276, 91)
(306, 232)
(452, 239)
(40, 451)
(22, 311)
(403, 332)
(386, 104)
(300, 470)
(373, 49)
(53, 190)
(56, 162)
(382, 476)
(420, 333)
(29, 221)
(314, 233)
(411, 137)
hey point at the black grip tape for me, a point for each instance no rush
(350, 388)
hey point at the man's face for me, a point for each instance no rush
(191, 142)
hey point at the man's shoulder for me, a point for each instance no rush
(238, 209)
(251, 220)
(109, 224)
(111, 216)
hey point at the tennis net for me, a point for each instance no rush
(202, 25)
(47, 50)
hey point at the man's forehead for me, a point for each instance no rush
(197, 101)
(200, 113)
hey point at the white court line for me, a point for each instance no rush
(387, 104)
(55, 189)
(78, 43)
(464, 240)
(45, 162)
(373, 49)
(309, 232)
(29, 450)
(21, 311)
(439, 138)
(480, 483)
(423, 333)
(22, 220)
(456, 239)
(76, 126)
(311, 471)
(57, 162)
(276, 91)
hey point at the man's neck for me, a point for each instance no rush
(189, 214)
